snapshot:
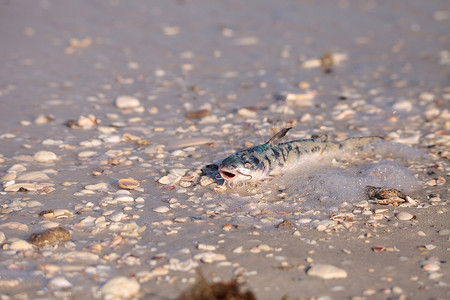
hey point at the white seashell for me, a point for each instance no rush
(86, 154)
(29, 187)
(97, 186)
(124, 199)
(86, 222)
(81, 256)
(17, 168)
(326, 271)
(205, 247)
(431, 267)
(128, 183)
(2, 237)
(117, 217)
(160, 271)
(62, 214)
(20, 245)
(112, 139)
(238, 250)
(161, 209)
(125, 101)
(178, 172)
(169, 179)
(304, 220)
(45, 156)
(33, 176)
(34, 203)
(48, 225)
(120, 287)
(189, 142)
(245, 112)
(59, 283)
(187, 265)
(209, 257)
(404, 216)
(14, 226)
(445, 231)
(8, 283)
(361, 204)
(9, 177)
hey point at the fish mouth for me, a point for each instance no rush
(228, 176)
(232, 175)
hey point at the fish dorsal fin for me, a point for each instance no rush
(322, 138)
(277, 137)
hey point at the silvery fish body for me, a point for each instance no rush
(274, 158)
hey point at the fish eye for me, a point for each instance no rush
(248, 165)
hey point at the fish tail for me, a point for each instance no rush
(358, 142)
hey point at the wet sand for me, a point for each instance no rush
(157, 90)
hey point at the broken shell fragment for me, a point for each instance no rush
(199, 114)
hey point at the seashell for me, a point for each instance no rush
(14, 226)
(45, 156)
(128, 183)
(124, 102)
(20, 245)
(59, 283)
(33, 176)
(326, 271)
(404, 216)
(21, 187)
(50, 237)
(120, 287)
(161, 209)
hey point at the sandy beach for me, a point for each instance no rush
(114, 115)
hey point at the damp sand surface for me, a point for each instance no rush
(111, 111)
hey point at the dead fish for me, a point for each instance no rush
(273, 158)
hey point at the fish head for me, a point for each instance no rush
(238, 168)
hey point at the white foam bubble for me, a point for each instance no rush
(330, 187)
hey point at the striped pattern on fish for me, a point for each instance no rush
(274, 158)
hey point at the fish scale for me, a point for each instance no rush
(272, 158)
